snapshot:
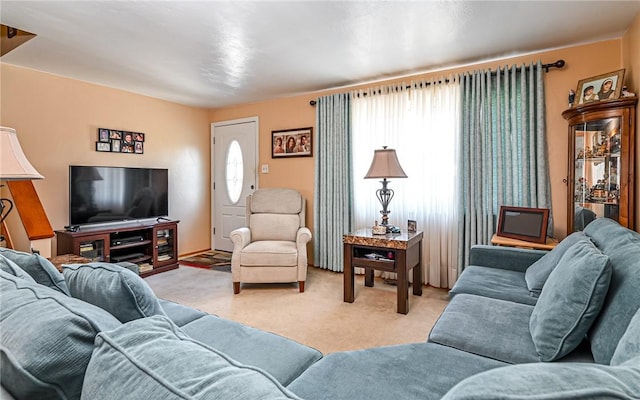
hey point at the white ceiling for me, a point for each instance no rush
(216, 53)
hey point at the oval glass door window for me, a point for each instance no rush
(234, 171)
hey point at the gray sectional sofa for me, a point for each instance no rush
(521, 324)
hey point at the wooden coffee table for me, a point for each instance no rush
(399, 253)
(68, 259)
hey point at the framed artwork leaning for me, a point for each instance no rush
(601, 87)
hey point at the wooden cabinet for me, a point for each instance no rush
(154, 247)
(601, 162)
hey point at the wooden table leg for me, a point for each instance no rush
(368, 277)
(417, 273)
(403, 281)
(348, 275)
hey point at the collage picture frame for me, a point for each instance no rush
(292, 143)
(117, 141)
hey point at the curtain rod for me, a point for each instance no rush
(558, 64)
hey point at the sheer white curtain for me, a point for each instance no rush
(422, 124)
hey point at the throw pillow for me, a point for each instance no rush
(542, 381)
(113, 288)
(537, 274)
(47, 339)
(159, 361)
(629, 344)
(12, 268)
(570, 301)
(40, 269)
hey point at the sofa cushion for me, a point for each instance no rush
(488, 327)
(269, 252)
(180, 314)
(629, 344)
(282, 358)
(12, 268)
(274, 227)
(276, 201)
(113, 288)
(409, 371)
(151, 358)
(622, 245)
(570, 301)
(539, 271)
(47, 339)
(495, 283)
(40, 269)
(542, 381)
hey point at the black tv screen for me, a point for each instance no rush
(108, 194)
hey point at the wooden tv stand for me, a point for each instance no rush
(153, 246)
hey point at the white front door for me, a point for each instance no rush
(234, 149)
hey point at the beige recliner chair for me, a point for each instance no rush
(273, 248)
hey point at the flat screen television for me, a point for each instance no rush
(109, 194)
(523, 223)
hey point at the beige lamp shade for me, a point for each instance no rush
(385, 164)
(13, 163)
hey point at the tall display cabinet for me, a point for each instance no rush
(602, 151)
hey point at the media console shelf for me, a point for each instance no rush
(153, 246)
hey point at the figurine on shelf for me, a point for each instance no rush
(587, 152)
(580, 154)
(598, 192)
(581, 189)
(602, 150)
(626, 93)
(572, 97)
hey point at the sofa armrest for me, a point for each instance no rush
(509, 258)
(240, 237)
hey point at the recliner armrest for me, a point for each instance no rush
(303, 236)
(510, 258)
(240, 237)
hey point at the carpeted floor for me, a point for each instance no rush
(213, 259)
(318, 317)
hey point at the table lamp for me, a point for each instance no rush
(385, 165)
(14, 165)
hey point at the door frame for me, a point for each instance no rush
(214, 125)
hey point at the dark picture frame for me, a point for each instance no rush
(103, 146)
(292, 143)
(103, 135)
(412, 226)
(117, 141)
(595, 86)
(523, 223)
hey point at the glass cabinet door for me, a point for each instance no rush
(165, 248)
(596, 166)
(601, 175)
(93, 248)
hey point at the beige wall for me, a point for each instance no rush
(296, 112)
(631, 62)
(57, 120)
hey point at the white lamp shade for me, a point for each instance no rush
(13, 163)
(385, 164)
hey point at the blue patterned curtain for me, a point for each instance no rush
(503, 149)
(333, 198)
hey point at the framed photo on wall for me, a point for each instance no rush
(103, 146)
(602, 87)
(292, 143)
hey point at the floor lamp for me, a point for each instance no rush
(14, 166)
